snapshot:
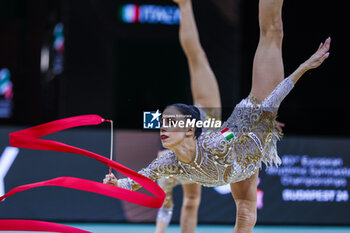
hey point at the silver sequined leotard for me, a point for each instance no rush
(219, 161)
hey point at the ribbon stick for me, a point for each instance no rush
(29, 138)
(111, 151)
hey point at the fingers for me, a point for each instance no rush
(322, 53)
(327, 43)
(319, 56)
(279, 125)
(326, 55)
(110, 175)
(110, 179)
(320, 47)
(107, 180)
(326, 46)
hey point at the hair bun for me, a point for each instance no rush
(191, 110)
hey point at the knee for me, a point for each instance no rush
(168, 202)
(191, 201)
(272, 30)
(246, 214)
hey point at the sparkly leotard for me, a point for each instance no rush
(219, 161)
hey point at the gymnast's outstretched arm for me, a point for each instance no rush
(281, 91)
(164, 166)
(313, 62)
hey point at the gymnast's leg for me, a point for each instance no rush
(245, 196)
(204, 86)
(165, 213)
(190, 206)
(268, 70)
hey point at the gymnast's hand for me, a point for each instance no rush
(321, 54)
(279, 125)
(111, 179)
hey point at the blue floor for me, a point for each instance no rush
(140, 228)
(137, 228)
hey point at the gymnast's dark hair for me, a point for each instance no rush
(191, 111)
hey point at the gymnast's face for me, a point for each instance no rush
(171, 132)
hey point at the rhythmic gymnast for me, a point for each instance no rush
(202, 80)
(234, 154)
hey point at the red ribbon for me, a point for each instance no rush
(30, 225)
(29, 138)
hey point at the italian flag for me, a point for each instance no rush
(227, 134)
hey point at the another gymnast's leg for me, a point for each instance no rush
(165, 213)
(268, 70)
(190, 206)
(204, 87)
(245, 196)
